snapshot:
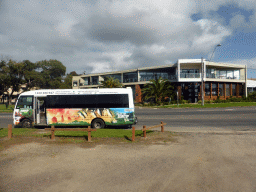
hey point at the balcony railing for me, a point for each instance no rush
(189, 75)
(213, 76)
(148, 78)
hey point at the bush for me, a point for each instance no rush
(252, 97)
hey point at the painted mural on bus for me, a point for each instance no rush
(111, 116)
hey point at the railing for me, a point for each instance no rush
(145, 78)
(213, 76)
(190, 75)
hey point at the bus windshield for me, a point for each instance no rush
(25, 102)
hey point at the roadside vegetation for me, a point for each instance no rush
(45, 74)
(6, 108)
(111, 82)
(99, 133)
(158, 90)
(104, 136)
(161, 93)
(206, 105)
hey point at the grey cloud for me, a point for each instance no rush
(80, 34)
(111, 29)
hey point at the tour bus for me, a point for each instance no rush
(68, 107)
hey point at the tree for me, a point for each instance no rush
(67, 84)
(11, 77)
(111, 82)
(51, 73)
(31, 76)
(158, 89)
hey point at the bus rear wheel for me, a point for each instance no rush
(98, 123)
(26, 123)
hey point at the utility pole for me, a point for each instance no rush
(202, 81)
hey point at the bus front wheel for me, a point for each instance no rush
(26, 123)
(98, 123)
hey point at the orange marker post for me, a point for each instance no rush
(52, 130)
(9, 131)
(133, 133)
(162, 126)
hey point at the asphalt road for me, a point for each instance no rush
(209, 119)
(5, 119)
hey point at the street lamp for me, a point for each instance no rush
(203, 72)
(214, 51)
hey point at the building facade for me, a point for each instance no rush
(219, 79)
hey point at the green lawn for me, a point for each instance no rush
(209, 105)
(100, 133)
(4, 110)
(15, 131)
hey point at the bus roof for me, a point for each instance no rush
(45, 92)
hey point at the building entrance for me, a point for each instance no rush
(190, 91)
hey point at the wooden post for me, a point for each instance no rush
(9, 131)
(162, 126)
(89, 134)
(52, 130)
(144, 131)
(133, 133)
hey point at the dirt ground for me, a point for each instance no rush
(163, 162)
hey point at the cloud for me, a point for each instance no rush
(106, 35)
(250, 63)
(212, 34)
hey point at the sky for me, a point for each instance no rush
(97, 36)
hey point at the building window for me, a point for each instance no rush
(227, 74)
(115, 76)
(223, 75)
(241, 92)
(207, 89)
(95, 80)
(214, 89)
(221, 89)
(130, 77)
(233, 89)
(146, 76)
(189, 73)
(86, 81)
(210, 73)
(236, 74)
(74, 83)
(227, 90)
(166, 74)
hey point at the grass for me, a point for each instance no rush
(99, 133)
(17, 132)
(4, 110)
(209, 105)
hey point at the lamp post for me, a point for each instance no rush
(214, 51)
(203, 73)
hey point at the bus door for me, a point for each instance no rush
(40, 111)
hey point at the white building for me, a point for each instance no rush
(221, 80)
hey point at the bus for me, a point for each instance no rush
(97, 108)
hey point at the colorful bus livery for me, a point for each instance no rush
(95, 107)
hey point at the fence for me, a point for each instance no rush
(53, 129)
(89, 130)
(155, 126)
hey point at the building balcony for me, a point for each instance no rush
(190, 75)
(213, 76)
